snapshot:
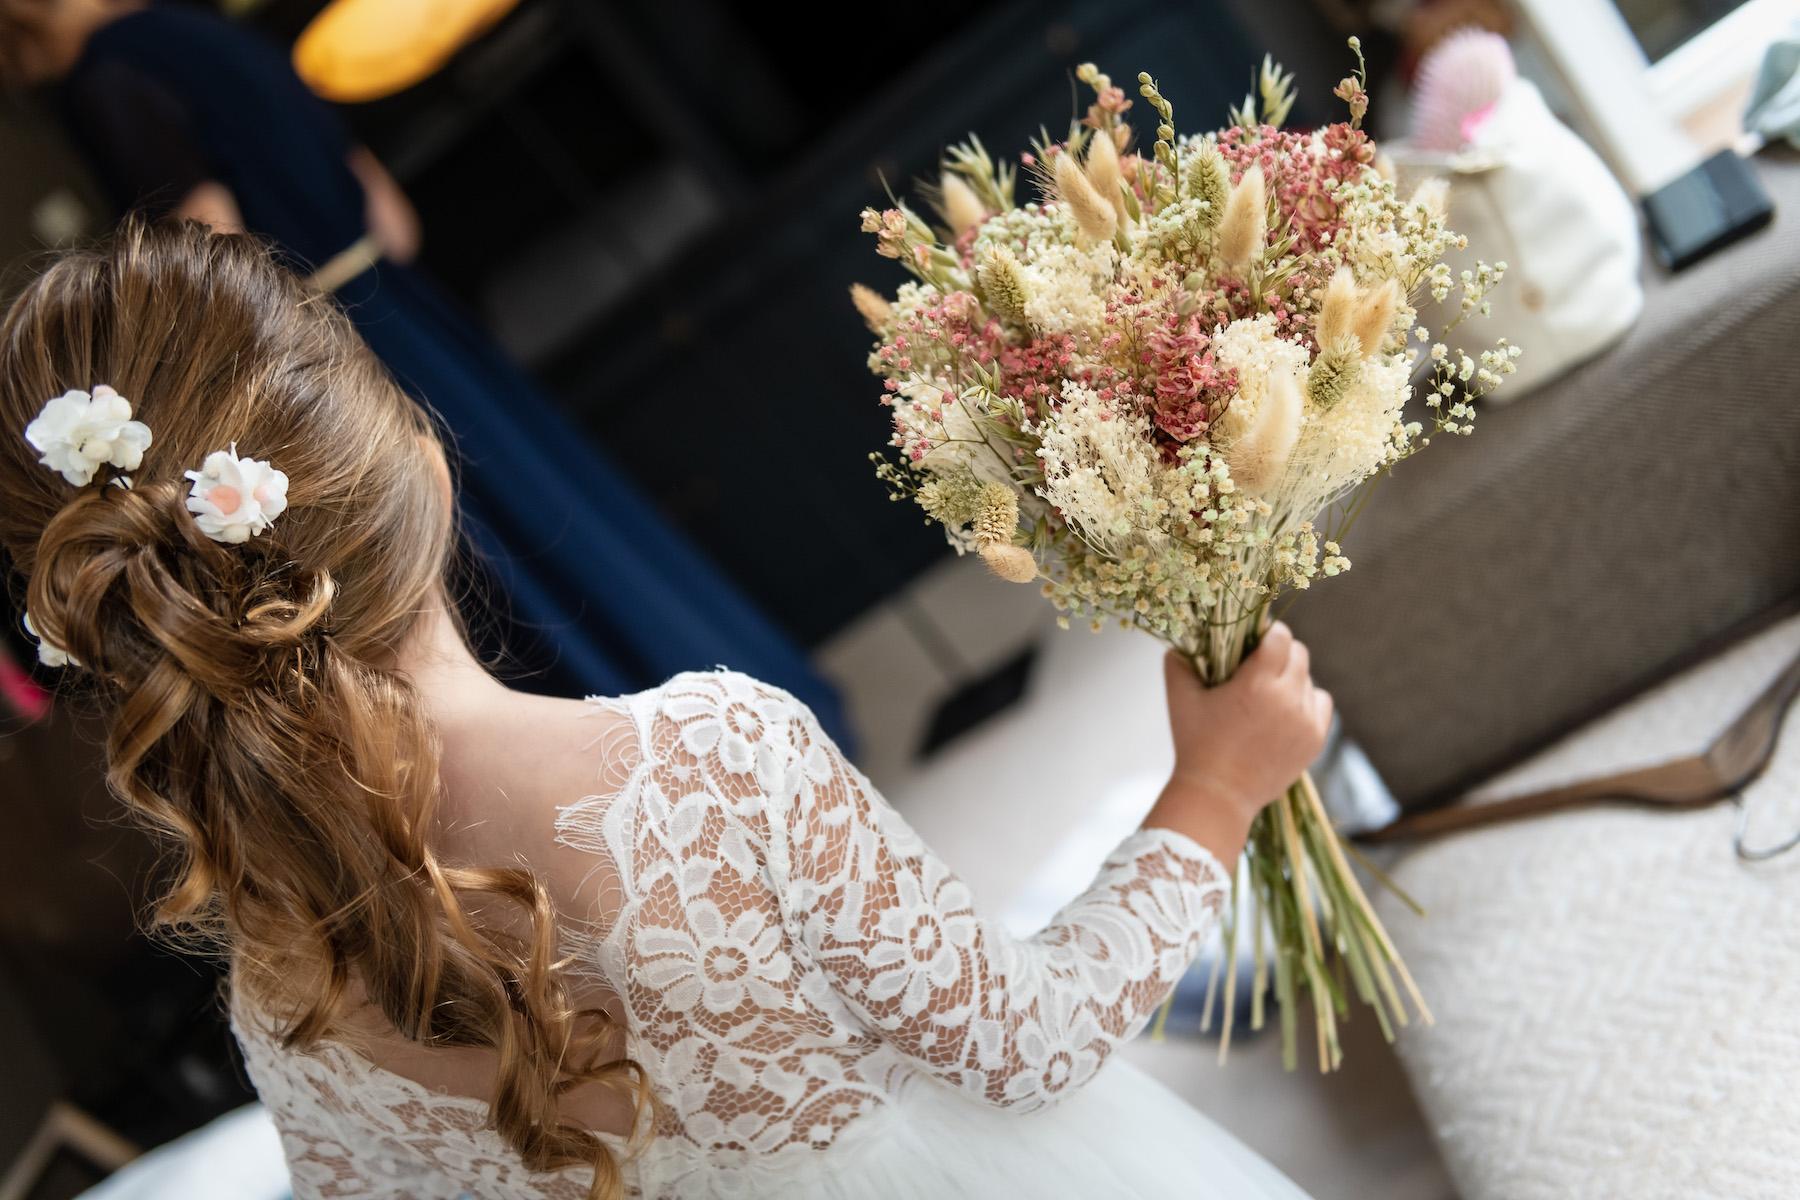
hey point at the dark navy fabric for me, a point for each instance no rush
(167, 97)
(166, 92)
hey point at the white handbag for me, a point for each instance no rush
(1527, 191)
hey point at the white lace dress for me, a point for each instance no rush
(819, 1008)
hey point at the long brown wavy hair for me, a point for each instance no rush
(257, 719)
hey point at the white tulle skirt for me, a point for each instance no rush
(1123, 1136)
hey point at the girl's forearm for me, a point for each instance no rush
(1197, 810)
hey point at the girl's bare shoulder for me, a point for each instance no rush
(509, 769)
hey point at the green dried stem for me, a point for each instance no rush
(1165, 138)
(1276, 86)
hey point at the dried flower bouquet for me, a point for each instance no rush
(1159, 389)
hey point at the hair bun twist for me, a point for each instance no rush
(125, 580)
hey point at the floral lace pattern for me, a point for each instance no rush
(790, 956)
(351, 1129)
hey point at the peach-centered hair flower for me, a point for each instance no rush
(235, 499)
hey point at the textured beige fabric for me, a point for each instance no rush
(1510, 585)
(1618, 997)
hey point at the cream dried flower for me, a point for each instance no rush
(1244, 227)
(874, 308)
(1253, 348)
(1103, 473)
(1206, 179)
(1093, 215)
(961, 207)
(1065, 286)
(1337, 311)
(1011, 563)
(1351, 440)
(950, 499)
(996, 514)
(1246, 220)
(1259, 456)
(1375, 315)
(1102, 170)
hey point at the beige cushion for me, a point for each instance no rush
(1617, 996)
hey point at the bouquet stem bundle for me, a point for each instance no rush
(1326, 938)
(1316, 933)
(1341, 945)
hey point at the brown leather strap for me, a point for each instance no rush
(1740, 754)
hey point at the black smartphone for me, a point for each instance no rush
(1707, 209)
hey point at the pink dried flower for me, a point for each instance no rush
(889, 228)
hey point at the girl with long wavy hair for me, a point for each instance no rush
(490, 944)
(179, 111)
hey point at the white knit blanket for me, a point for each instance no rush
(1617, 996)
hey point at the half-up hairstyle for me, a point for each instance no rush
(257, 719)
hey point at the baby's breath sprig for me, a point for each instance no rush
(1458, 381)
(902, 482)
(1165, 137)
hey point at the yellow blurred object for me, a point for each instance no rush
(357, 50)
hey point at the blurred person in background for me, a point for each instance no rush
(183, 114)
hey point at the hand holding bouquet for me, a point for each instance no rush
(1158, 390)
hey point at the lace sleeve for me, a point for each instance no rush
(1010, 1021)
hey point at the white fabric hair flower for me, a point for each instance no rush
(234, 499)
(49, 653)
(78, 431)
